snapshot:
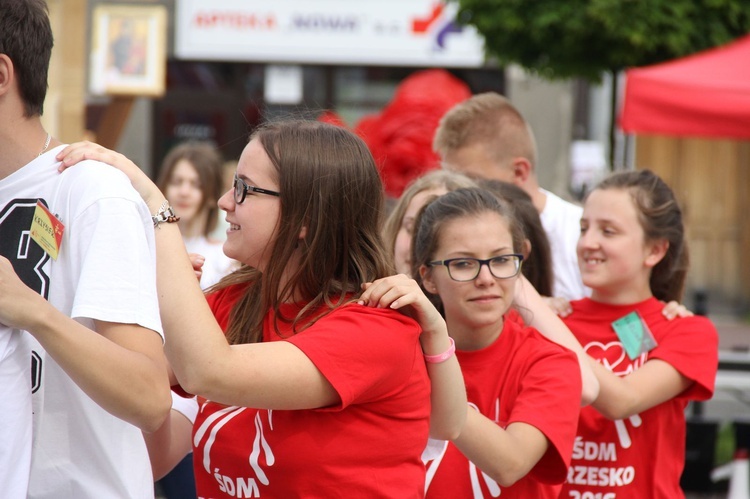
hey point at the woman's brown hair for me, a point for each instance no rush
(537, 265)
(660, 217)
(457, 204)
(434, 179)
(330, 186)
(207, 161)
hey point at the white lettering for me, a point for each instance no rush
(229, 486)
(628, 475)
(602, 477)
(219, 480)
(237, 487)
(594, 451)
(592, 495)
(247, 488)
(607, 452)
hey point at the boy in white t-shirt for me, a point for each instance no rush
(486, 137)
(77, 286)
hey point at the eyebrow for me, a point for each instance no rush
(497, 252)
(247, 179)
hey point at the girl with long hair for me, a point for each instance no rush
(524, 391)
(304, 392)
(633, 255)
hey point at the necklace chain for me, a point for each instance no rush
(46, 144)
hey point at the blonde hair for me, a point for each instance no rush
(491, 120)
(434, 179)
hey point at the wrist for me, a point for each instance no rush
(164, 214)
(434, 339)
(442, 357)
(44, 320)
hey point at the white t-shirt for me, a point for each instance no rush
(562, 223)
(15, 409)
(217, 264)
(105, 271)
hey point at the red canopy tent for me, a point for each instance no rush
(703, 95)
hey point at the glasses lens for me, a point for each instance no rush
(463, 270)
(504, 266)
(239, 190)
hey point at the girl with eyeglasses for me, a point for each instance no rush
(633, 255)
(524, 391)
(304, 392)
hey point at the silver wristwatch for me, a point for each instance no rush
(165, 214)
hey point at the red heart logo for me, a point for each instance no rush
(610, 355)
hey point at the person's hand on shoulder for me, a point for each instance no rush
(674, 310)
(448, 395)
(80, 151)
(559, 305)
(402, 293)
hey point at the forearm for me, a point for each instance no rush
(274, 375)
(538, 315)
(194, 340)
(653, 383)
(169, 444)
(616, 400)
(498, 452)
(128, 384)
(448, 394)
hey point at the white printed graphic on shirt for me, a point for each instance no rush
(602, 455)
(236, 486)
(474, 472)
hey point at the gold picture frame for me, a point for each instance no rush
(128, 50)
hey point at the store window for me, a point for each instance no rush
(223, 102)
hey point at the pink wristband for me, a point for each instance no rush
(442, 357)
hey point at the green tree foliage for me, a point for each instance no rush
(585, 38)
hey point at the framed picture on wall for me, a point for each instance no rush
(128, 50)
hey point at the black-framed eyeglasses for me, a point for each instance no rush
(467, 269)
(241, 189)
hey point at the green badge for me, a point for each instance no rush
(634, 335)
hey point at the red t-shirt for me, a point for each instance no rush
(642, 456)
(368, 446)
(521, 377)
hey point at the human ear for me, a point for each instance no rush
(655, 252)
(526, 250)
(425, 273)
(521, 171)
(6, 73)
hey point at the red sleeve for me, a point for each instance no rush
(365, 353)
(691, 345)
(550, 400)
(222, 301)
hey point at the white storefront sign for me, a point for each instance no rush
(358, 32)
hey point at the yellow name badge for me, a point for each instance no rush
(47, 230)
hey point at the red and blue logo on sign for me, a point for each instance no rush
(436, 21)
